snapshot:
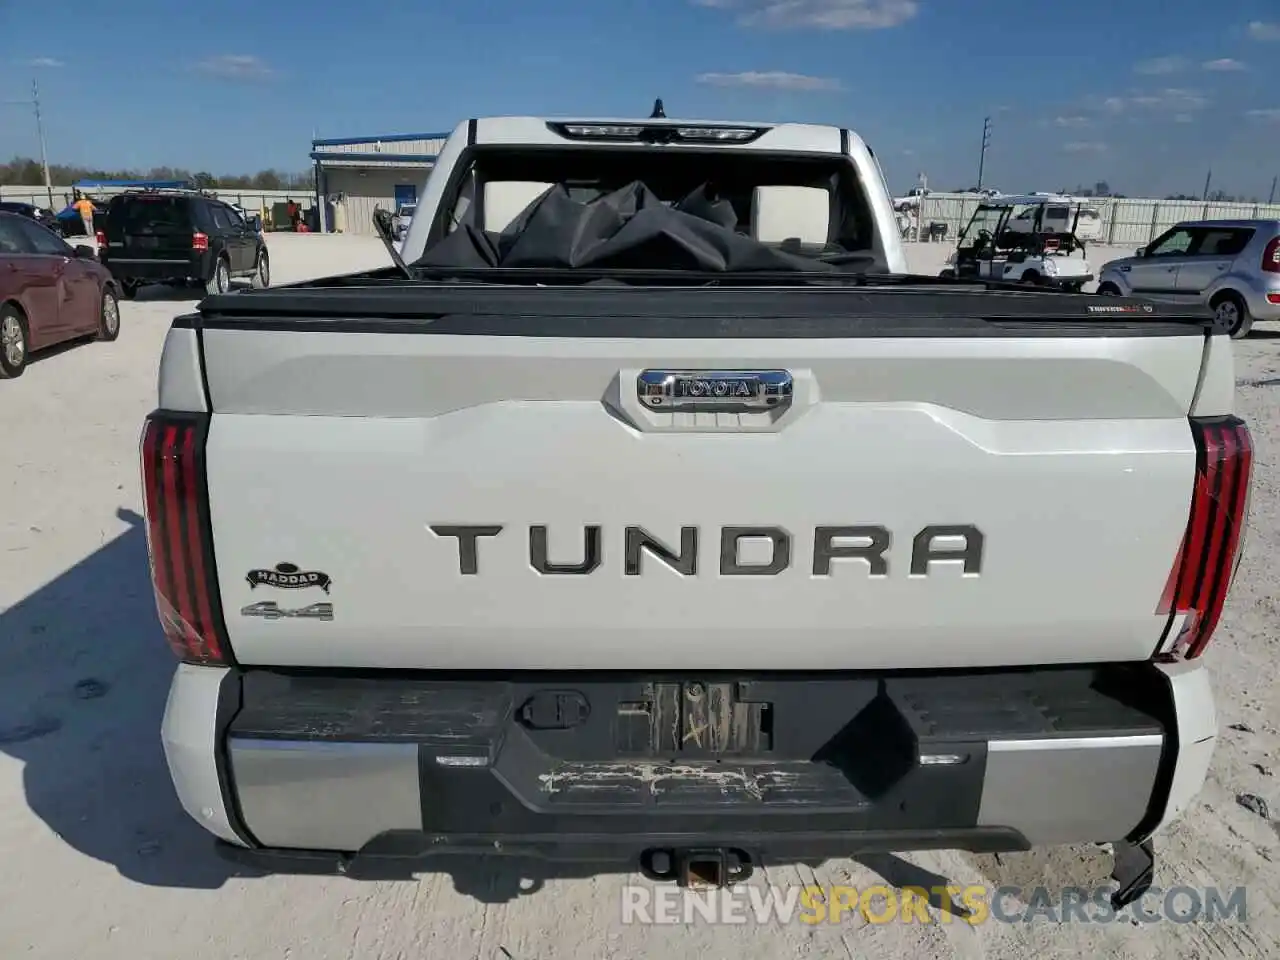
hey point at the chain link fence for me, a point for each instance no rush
(254, 201)
(1126, 222)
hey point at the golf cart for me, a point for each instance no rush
(1037, 250)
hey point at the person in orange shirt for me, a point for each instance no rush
(84, 207)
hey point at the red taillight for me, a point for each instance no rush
(1271, 256)
(199, 241)
(1211, 547)
(101, 238)
(178, 538)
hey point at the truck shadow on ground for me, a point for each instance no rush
(58, 349)
(502, 879)
(166, 293)
(84, 673)
(1051, 873)
(171, 293)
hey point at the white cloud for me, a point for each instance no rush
(770, 80)
(1175, 99)
(1225, 65)
(1270, 114)
(1084, 146)
(1183, 118)
(1160, 66)
(1261, 30)
(1168, 100)
(235, 66)
(48, 62)
(821, 14)
(1071, 121)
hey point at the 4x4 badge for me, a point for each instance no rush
(288, 576)
(270, 610)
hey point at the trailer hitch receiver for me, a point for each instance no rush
(698, 867)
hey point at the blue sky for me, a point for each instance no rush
(1146, 94)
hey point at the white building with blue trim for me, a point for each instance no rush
(367, 172)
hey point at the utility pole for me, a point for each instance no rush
(1272, 197)
(986, 142)
(34, 102)
(1207, 180)
(44, 153)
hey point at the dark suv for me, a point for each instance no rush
(179, 237)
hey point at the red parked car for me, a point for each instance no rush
(49, 293)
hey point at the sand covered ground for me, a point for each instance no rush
(104, 864)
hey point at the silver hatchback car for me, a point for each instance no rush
(1232, 265)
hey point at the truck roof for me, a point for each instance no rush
(800, 137)
(667, 121)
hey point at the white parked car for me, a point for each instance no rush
(1059, 214)
(403, 219)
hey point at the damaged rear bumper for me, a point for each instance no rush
(297, 771)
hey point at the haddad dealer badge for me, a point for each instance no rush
(289, 576)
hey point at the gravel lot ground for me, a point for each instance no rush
(103, 862)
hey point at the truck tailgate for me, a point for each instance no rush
(485, 501)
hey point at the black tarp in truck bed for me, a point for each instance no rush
(629, 228)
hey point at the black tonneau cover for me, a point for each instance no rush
(627, 265)
(628, 229)
(890, 306)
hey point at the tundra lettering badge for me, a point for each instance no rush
(952, 544)
(727, 390)
(288, 576)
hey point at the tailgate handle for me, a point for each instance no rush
(737, 391)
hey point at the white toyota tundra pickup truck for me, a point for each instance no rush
(647, 512)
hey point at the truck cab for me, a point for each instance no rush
(492, 163)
